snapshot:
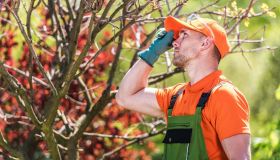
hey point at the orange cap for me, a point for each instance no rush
(208, 27)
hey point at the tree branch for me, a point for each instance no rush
(75, 32)
(15, 153)
(104, 99)
(53, 89)
(21, 95)
(144, 136)
(157, 78)
(86, 92)
(152, 126)
(243, 16)
(230, 16)
(70, 10)
(51, 141)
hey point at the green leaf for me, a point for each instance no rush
(277, 93)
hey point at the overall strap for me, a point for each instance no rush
(174, 98)
(205, 96)
(203, 99)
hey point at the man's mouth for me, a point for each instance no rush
(176, 51)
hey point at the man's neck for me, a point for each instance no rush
(197, 71)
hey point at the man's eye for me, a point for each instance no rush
(185, 34)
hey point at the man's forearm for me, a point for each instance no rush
(133, 91)
(135, 79)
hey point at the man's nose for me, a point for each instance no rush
(176, 43)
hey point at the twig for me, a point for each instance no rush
(160, 77)
(145, 136)
(152, 125)
(230, 16)
(246, 38)
(75, 101)
(21, 95)
(70, 10)
(51, 141)
(104, 99)
(35, 79)
(243, 16)
(14, 152)
(55, 20)
(65, 121)
(86, 90)
(41, 82)
(30, 64)
(256, 49)
(247, 41)
(41, 68)
(105, 45)
(75, 32)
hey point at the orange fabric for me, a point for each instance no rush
(205, 26)
(225, 114)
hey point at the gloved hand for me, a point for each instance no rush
(161, 43)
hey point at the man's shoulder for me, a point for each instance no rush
(227, 90)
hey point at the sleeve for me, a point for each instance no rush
(164, 96)
(230, 112)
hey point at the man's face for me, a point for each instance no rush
(186, 47)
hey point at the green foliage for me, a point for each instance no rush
(267, 147)
(277, 93)
(265, 111)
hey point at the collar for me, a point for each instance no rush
(205, 83)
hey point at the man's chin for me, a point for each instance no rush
(178, 64)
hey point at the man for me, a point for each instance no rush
(207, 118)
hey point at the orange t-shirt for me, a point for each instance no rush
(225, 114)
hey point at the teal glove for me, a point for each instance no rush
(162, 43)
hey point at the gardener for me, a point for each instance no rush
(208, 117)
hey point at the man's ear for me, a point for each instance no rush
(206, 43)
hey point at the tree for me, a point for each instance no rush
(59, 62)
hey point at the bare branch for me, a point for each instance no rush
(104, 99)
(243, 16)
(247, 41)
(231, 16)
(35, 79)
(256, 49)
(70, 10)
(14, 152)
(51, 141)
(105, 45)
(75, 31)
(65, 121)
(30, 64)
(33, 52)
(55, 21)
(239, 42)
(152, 126)
(20, 94)
(41, 82)
(86, 91)
(145, 136)
(157, 78)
